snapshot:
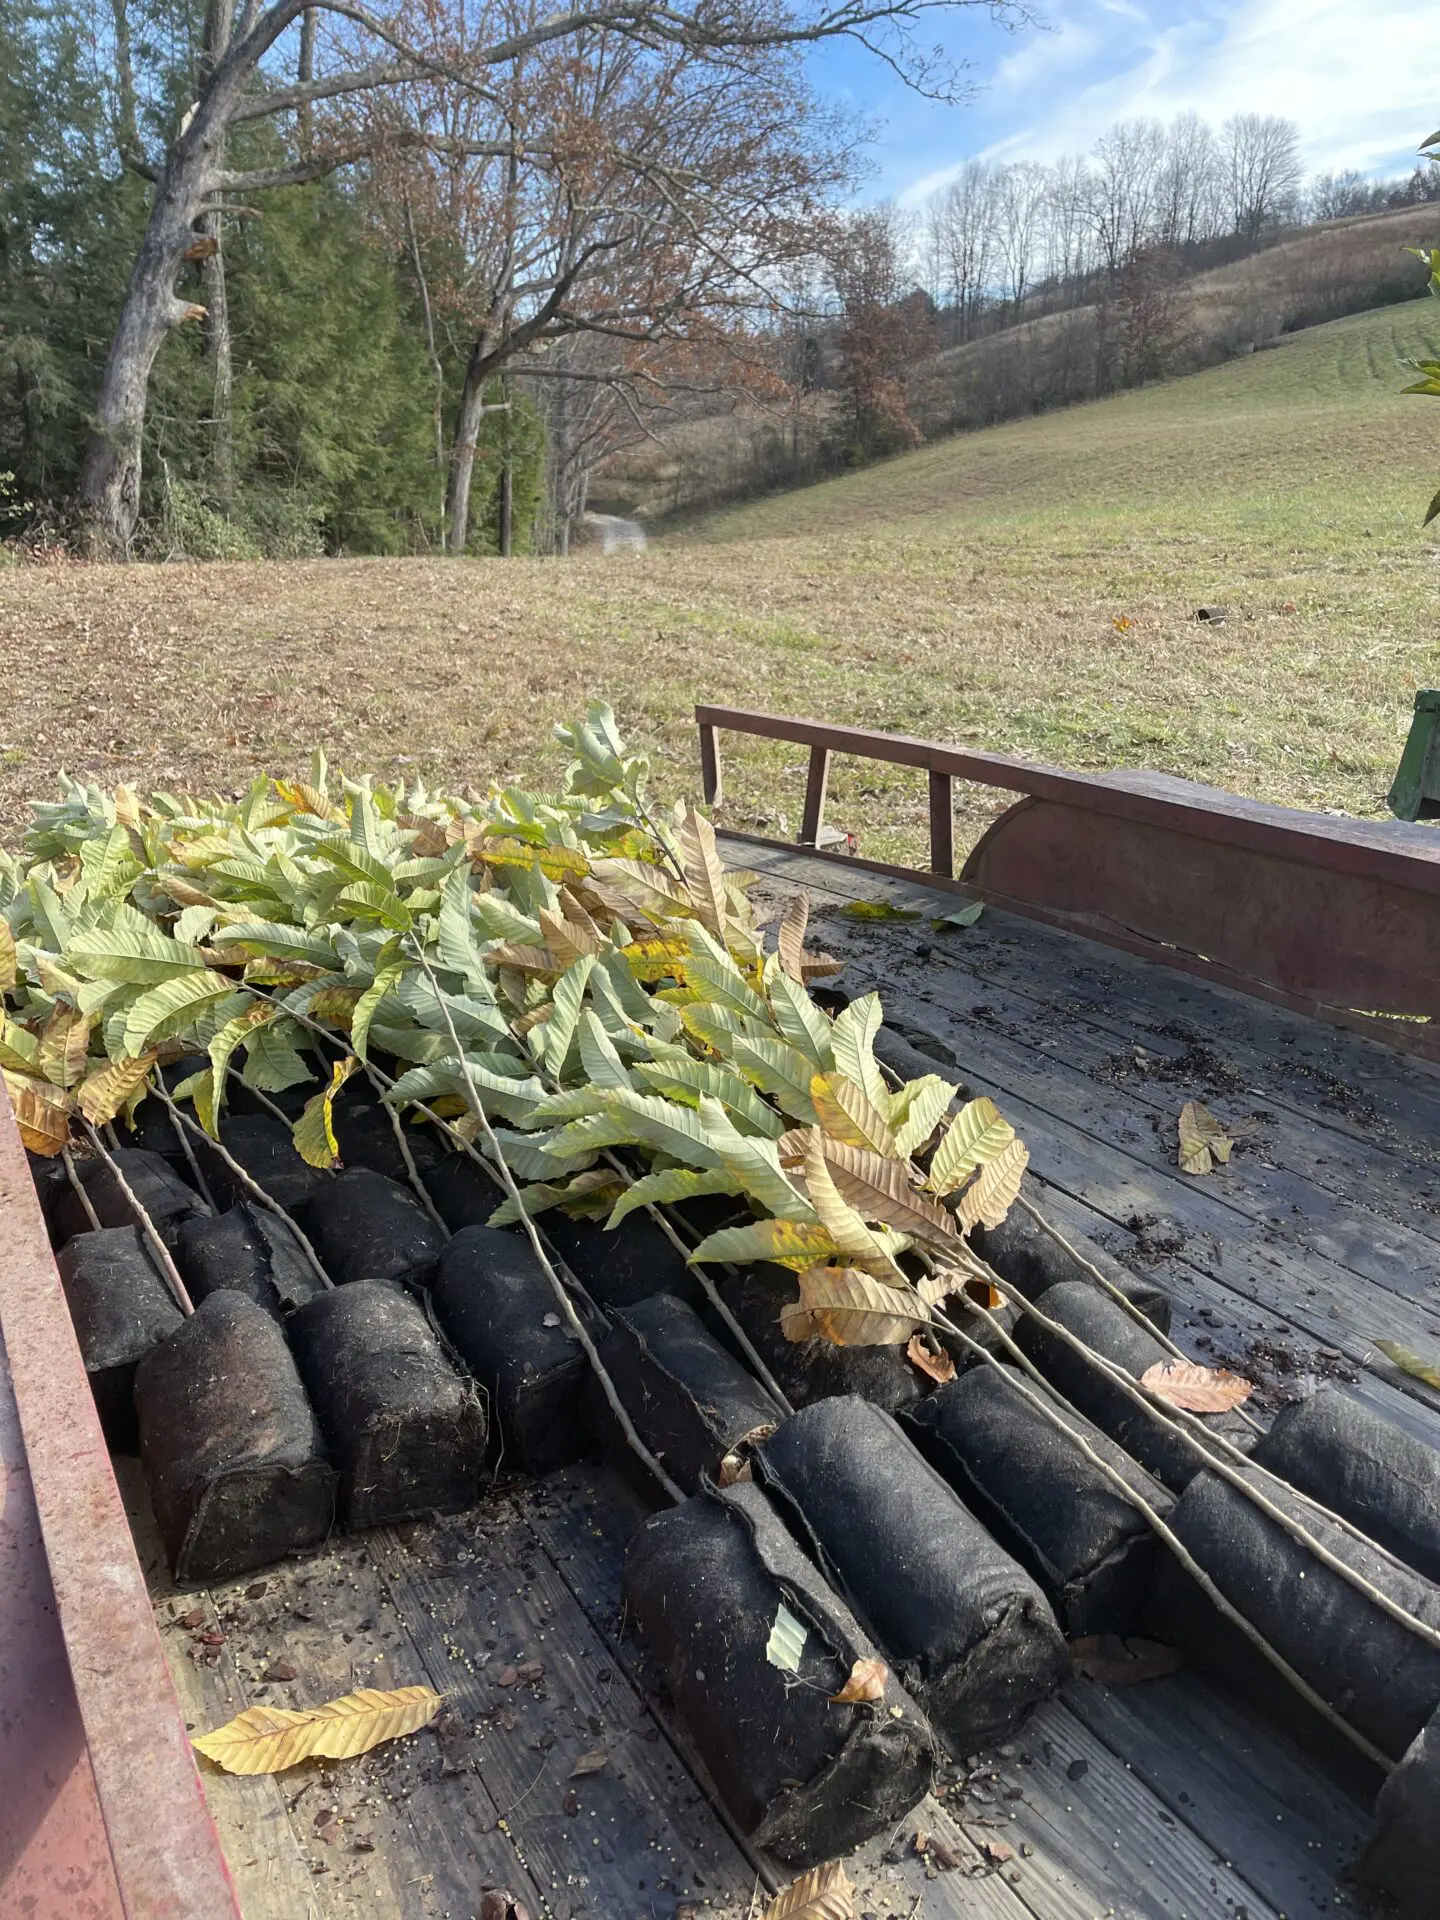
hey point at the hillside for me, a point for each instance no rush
(1030, 588)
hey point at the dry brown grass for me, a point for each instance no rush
(970, 591)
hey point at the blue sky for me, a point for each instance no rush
(1361, 78)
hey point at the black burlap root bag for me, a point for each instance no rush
(690, 1400)
(704, 1583)
(970, 1633)
(463, 1194)
(498, 1310)
(231, 1450)
(1376, 1673)
(122, 1306)
(617, 1269)
(1093, 1555)
(167, 1198)
(365, 1227)
(263, 1146)
(248, 1250)
(406, 1430)
(1365, 1468)
(1023, 1254)
(365, 1135)
(813, 1369)
(1104, 1325)
(1402, 1856)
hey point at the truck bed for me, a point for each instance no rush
(1166, 1799)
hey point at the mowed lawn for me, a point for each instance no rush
(1030, 589)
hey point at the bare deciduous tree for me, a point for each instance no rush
(1260, 155)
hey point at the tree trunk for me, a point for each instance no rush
(467, 432)
(127, 134)
(217, 305)
(507, 482)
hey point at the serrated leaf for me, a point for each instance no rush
(858, 1246)
(720, 982)
(777, 1069)
(109, 865)
(846, 1115)
(1198, 1389)
(273, 1061)
(567, 1001)
(852, 1309)
(17, 1046)
(755, 1163)
(917, 1109)
(1415, 1364)
(992, 1193)
(63, 1045)
(977, 1134)
(663, 1125)
(527, 1157)
(42, 1112)
(314, 1132)
(879, 1189)
(273, 940)
(592, 1194)
(194, 924)
(602, 1064)
(1203, 1140)
(223, 1044)
(270, 1739)
(786, 1645)
(704, 872)
(787, 1243)
(355, 862)
(687, 1079)
(824, 1893)
(799, 1019)
(132, 949)
(790, 939)
(102, 1094)
(172, 1007)
(852, 1037)
(672, 1184)
(368, 1004)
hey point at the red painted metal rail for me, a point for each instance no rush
(102, 1815)
(1337, 918)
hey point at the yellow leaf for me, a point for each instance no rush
(866, 1682)
(1412, 1363)
(848, 1115)
(127, 808)
(939, 1366)
(269, 1739)
(704, 872)
(9, 966)
(880, 1189)
(1182, 1383)
(790, 941)
(824, 1893)
(855, 1242)
(657, 959)
(301, 797)
(851, 1309)
(977, 1134)
(64, 1044)
(112, 1086)
(314, 1131)
(987, 1201)
(42, 1112)
(1202, 1139)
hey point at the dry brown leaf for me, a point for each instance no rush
(522, 959)
(849, 1116)
(939, 1366)
(269, 1739)
(1203, 1140)
(595, 1761)
(109, 1088)
(854, 1242)
(879, 1188)
(851, 1309)
(791, 1146)
(42, 1112)
(790, 940)
(989, 1197)
(1123, 1663)
(704, 872)
(824, 1893)
(821, 966)
(566, 940)
(866, 1683)
(1183, 1383)
(735, 1466)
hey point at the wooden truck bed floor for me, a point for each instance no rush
(1164, 1800)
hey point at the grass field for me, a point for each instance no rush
(1030, 589)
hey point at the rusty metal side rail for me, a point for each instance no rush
(104, 1813)
(1334, 917)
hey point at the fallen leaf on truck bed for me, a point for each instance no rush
(269, 1739)
(1203, 1140)
(824, 1893)
(1412, 1363)
(1181, 1383)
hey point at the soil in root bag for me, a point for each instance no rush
(813, 1369)
(1105, 1326)
(122, 1306)
(1365, 1468)
(970, 1633)
(405, 1428)
(264, 1148)
(708, 1583)
(1377, 1674)
(231, 1449)
(167, 1198)
(365, 1135)
(617, 1269)
(365, 1227)
(1093, 1555)
(251, 1251)
(1023, 1254)
(1402, 1856)
(498, 1310)
(690, 1400)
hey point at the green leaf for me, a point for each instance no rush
(798, 1017)
(526, 1156)
(567, 1002)
(592, 1193)
(797, 1244)
(109, 866)
(364, 900)
(917, 1109)
(876, 910)
(965, 916)
(672, 1184)
(314, 1132)
(726, 986)
(455, 948)
(172, 1008)
(852, 1036)
(272, 939)
(354, 861)
(777, 1069)
(131, 948)
(601, 1062)
(755, 1163)
(365, 1007)
(688, 1079)
(272, 1059)
(500, 919)
(570, 1103)
(629, 1118)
